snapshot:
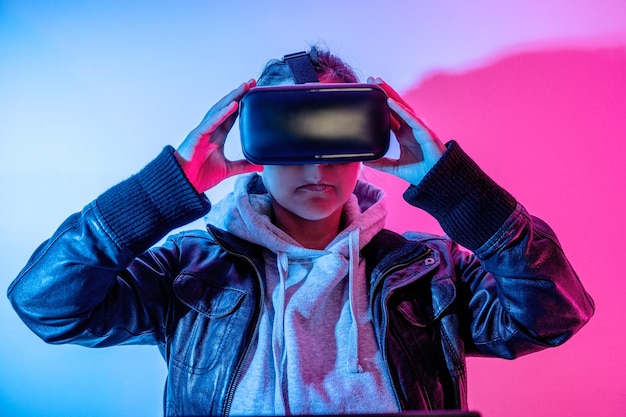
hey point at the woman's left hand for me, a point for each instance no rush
(420, 148)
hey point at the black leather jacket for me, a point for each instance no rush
(198, 296)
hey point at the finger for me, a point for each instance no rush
(400, 125)
(384, 164)
(219, 119)
(395, 123)
(242, 167)
(393, 94)
(226, 101)
(425, 136)
(205, 137)
(403, 112)
(237, 93)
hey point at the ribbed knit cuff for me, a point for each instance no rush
(469, 206)
(142, 209)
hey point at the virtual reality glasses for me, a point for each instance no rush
(313, 123)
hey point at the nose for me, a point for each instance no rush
(314, 166)
(315, 170)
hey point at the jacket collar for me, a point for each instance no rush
(387, 252)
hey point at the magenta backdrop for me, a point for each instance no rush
(548, 124)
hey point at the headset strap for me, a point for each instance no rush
(302, 67)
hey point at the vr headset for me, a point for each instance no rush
(312, 122)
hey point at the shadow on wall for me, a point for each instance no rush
(550, 127)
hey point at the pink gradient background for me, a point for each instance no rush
(549, 125)
(535, 91)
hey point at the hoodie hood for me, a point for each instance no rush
(247, 212)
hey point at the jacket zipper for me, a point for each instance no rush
(387, 272)
(244, 357)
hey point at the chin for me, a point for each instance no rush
(313, 217)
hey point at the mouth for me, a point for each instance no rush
(321, 187)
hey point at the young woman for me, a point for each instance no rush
(296, 300)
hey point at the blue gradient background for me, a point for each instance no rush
(91, 91)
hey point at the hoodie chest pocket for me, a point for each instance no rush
(208, 327)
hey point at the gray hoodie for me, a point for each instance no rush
(316, 352)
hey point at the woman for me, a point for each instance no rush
(296, 300)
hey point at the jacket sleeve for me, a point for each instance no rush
(517, 292)
(91, 283)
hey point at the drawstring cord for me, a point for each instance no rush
(278, 328)
(353, 259)
(278, 333)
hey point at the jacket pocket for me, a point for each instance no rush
(210, 300)
(427, 304)
(415, 347)
(206, 327)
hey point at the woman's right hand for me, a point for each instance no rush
(201, 155)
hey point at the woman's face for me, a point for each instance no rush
(312, 191)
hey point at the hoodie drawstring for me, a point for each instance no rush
(278, 333)
(353, 258)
